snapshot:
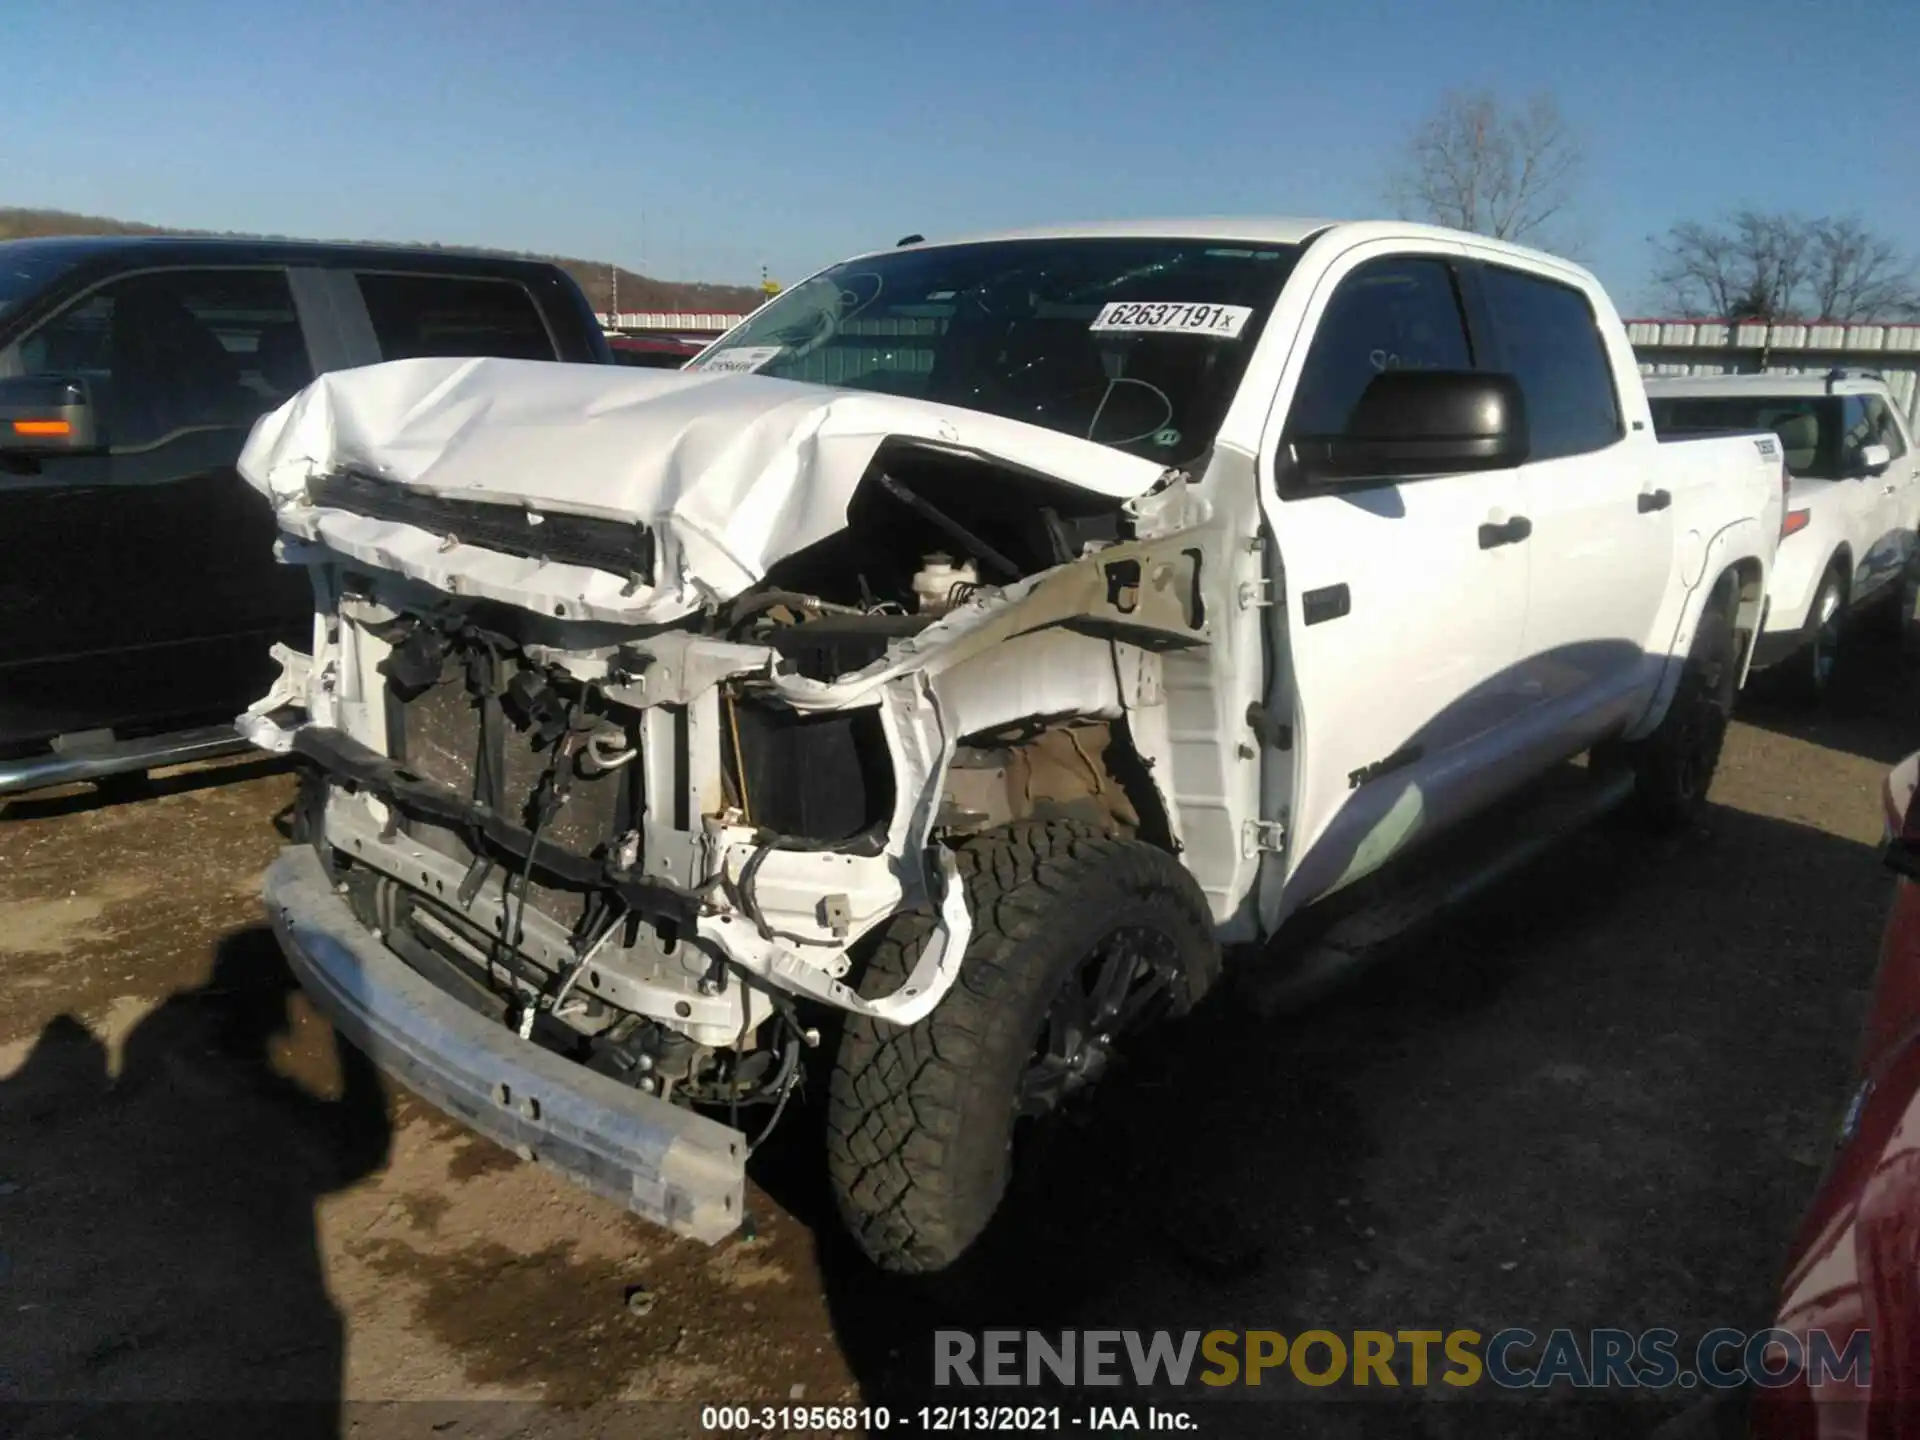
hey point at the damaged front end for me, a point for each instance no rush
(621, 869)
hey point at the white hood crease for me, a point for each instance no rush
(731, 472)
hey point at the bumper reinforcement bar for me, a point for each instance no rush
(666, 1164)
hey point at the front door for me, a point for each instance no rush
(139, 584)
(1401, 604)
(1892, 490)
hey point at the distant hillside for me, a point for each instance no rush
(637, 292)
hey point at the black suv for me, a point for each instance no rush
(139, 594)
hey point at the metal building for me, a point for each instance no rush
(1715, 347)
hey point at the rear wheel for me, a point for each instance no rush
(1894, 605)
(1674, 766)
(1081, 944)
(1906, 622)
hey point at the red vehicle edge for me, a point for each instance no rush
(658, 352)
(1854, 1264)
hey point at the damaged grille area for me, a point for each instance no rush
(618, 547)
(498, 749)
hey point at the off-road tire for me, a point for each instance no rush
(1894, 605)
(1904, 624)
(1673, 766)
(920, 1118)
(1807, 676)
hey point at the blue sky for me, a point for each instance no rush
(704, 140)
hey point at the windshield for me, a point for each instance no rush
(1136, 344)
(21, 276)
(1810, 427)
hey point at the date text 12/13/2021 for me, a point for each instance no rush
(943, 1419)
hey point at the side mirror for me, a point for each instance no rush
(1874, 458)
(1422, 422)
(48, 415)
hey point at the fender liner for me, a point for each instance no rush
(1739, 541)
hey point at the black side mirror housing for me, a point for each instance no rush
(48, 415)
(1410, 423)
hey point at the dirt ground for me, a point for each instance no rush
(1599, 1099)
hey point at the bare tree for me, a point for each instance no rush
(1857, 275)
(1474, 164)
(1752, 266)
(1756, 265)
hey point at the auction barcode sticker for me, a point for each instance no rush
(1224, 322)
(740, 360)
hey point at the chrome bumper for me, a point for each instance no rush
(669, 1165)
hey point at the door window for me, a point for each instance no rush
(174, 351)
(1554, 349)
(1883, 428)
(417, 315)
(1401, 313)
(1856, 432)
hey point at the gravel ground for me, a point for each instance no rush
(1598, 1099)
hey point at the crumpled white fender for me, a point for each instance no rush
(917, 736)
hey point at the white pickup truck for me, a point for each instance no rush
(947, 665)
(1848, 544)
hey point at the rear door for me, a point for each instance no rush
(1399, 625)
(139, 584)
(1602, 550)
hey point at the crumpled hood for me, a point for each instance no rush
(731, 472)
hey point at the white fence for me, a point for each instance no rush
(1705, 347)
(677, 322)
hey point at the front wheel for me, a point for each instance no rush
(1674, 765)
(1809, 674)
(1081, 943)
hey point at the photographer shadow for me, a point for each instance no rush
(159, 1223)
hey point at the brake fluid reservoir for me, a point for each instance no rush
(933, 587)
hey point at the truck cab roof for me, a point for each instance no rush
(1786, 385)
(1262, 230)
(118, 250)
(41, 276)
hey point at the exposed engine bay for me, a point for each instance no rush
(650, 846)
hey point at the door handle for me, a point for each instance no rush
(1651, 500)
(1890, 490)
(1329, 602)
(1511, 533)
